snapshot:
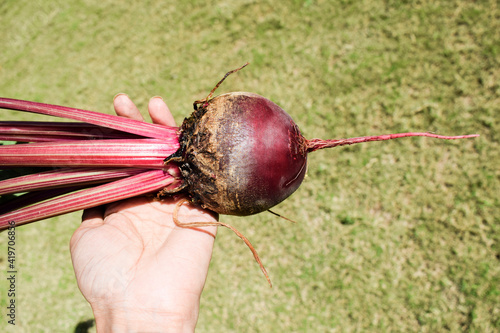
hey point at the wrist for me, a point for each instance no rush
(137, 319)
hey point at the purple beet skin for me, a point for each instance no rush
(242, 154)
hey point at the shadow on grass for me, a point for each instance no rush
(84, 326)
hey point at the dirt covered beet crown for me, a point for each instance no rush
(240, 154)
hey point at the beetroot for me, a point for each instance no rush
(241, 167)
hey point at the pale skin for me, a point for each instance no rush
(136, 268)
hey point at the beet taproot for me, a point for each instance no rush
(241, 154)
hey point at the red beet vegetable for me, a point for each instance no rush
(241, 154)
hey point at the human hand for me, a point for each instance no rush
(136, 268)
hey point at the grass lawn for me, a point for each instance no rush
(400, 236)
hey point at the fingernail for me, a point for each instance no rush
(157, 97)
(119, 94)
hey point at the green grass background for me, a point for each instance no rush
(398, 236)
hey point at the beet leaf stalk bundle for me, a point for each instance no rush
(237, 154)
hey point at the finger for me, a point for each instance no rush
(124, 107)
(159, 112)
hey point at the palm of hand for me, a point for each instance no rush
(137, 254)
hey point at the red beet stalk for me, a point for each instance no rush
(142, 183)
(119, 152)
(103, 120)
(139, 153)
(37, 131)
(64, 177)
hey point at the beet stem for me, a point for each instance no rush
(315, 144)
(39, 131)
(132, 186)
(141, 153)
(132, 126)
(63, 178)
